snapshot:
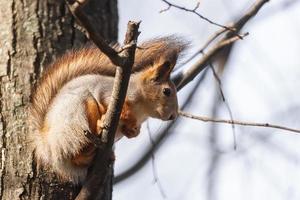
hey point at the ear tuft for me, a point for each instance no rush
(163, 70)
(161, 48)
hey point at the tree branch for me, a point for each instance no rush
(207, 43)
(218, 80)
(184, 77)
(76, 10)
(236, 122)
(156, 179)
(99, 176)
(194, 10)
(238, 25)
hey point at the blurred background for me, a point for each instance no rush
(260, 79)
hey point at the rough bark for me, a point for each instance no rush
(32, 33)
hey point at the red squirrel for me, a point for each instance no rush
(73, 94)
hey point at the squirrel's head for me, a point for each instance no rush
(158, 91)
(154, 62)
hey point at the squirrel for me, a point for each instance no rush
(73, 94)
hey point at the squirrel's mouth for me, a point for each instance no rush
(167, 116)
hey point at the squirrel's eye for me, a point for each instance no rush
(167, 92)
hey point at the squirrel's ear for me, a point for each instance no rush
(162, 70)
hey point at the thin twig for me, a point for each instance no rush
(236, 122)
(194, 10)
(202, 49)
(154, 170)
(216, 76)
(247, 16)
(211, 39)
(186, 76)
(232, 29)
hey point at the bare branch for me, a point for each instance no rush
(225, 102)
(154, 170)
(100, 173)
(220, 32)
(236, 122)
(248, 15)
(232, 29)
(97, 176)
(181, 79)
(217, 78)
(185, 77)
(202, 49)
(166, 9)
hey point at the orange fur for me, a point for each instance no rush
(94, 112)
(45, 128)
(128, 117)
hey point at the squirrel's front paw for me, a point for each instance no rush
(100, 124)
(130, 132)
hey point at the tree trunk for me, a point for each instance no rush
(32, 33)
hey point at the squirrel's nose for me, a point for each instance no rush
(173, 116)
